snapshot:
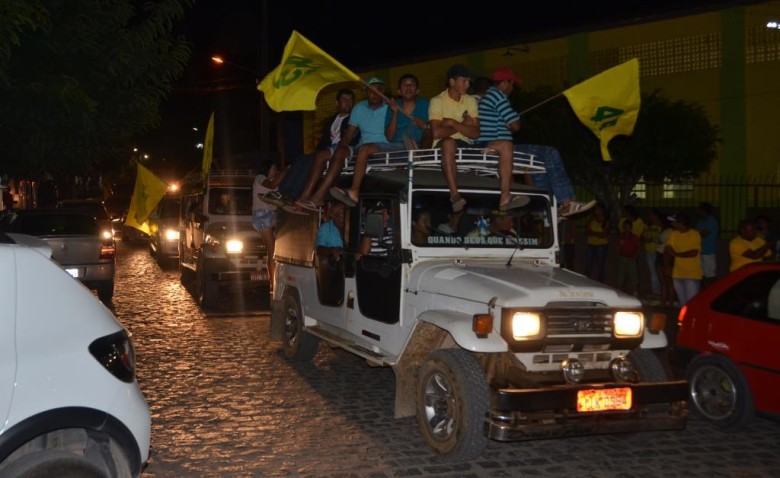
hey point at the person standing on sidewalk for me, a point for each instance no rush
(684, 246)
(650, 240)
(707, 226)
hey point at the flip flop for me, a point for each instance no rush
(295, 209)
(309, 206)
(341, 195)
(458, 203)
(515, 202)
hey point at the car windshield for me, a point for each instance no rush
(481, 224)
(92, 208)
(54, 225)
(169, 208)
(230, 201)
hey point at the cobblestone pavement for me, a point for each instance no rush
(225, 403)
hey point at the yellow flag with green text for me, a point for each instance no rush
(305, 69)
(149, 189)
(208, 148)
(608, 103)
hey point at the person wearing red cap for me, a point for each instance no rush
(498, 122)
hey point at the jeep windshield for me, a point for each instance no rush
(480, 224)
(230, 201)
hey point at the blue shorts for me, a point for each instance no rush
(263, 219)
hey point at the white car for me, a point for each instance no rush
(69, 401)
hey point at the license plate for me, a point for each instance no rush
(604, 399)
(258, 276)
(73, 272)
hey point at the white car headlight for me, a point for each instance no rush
(526, 325)
(234, 246)
(171, 234)
(628, 324)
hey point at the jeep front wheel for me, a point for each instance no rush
(452, 399)
(208, 288)
(298, 345)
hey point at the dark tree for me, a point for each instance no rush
(80, 78)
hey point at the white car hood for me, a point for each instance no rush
(525, 283)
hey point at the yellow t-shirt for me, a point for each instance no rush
(739, 246)
(595, 226)
(442, 106)
(652, 232)
(686, 267)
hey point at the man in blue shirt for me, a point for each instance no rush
(329, 238)
(708, 229)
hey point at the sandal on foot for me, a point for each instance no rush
(342, 196)
(515, 202)
(458, 203)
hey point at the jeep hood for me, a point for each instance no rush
(523, 284)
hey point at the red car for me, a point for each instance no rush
(728, 341)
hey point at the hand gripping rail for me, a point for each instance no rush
(481, 161)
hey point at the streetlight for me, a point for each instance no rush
(264, 137)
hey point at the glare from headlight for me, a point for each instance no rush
(526, 325)
(234, 246)
(106, 234)
(628, 324)
(171, 234)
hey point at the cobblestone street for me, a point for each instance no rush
(225, 403)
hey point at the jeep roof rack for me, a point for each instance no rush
(481, 161)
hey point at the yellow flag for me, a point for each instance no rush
(208, 148)
(303, 72)
(149, 189)
(608, 103)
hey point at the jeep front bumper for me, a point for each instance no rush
(552, 412)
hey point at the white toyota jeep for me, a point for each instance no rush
(487, 335)
(217, 242)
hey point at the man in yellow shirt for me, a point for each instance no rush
(684, 246)
(748, 246)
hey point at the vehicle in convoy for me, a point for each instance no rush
(69, 400)
(95, 208)
(726, 340)
(488, 337)
(80, 244)
(217, 243)
(164, 229)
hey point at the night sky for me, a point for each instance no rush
(361, 35)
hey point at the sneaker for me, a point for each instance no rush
(575, 207)
(275, 198)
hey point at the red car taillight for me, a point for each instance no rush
(681, 315)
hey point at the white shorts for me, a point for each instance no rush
(708, 265)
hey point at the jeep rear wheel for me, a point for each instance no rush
(452, 399)
(298, 345)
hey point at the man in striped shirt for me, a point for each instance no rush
(498, 121)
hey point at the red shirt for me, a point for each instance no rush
(629, 245)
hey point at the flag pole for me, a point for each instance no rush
(385, 98)
(540, 104)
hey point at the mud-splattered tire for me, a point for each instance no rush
(452, 399)
(298, 345)
(648, 365)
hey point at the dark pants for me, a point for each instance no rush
(295, 179)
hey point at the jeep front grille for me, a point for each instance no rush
(568, 322)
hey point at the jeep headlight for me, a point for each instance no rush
(526, 325)
(171, 234)
(234, 246)
(628, 324)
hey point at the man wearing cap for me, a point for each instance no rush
(498, 121)
(454, 121)
(368, 118)
(404, 122)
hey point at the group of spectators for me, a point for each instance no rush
(681, 254)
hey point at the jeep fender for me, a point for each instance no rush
(459, 325)
(653, 340)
